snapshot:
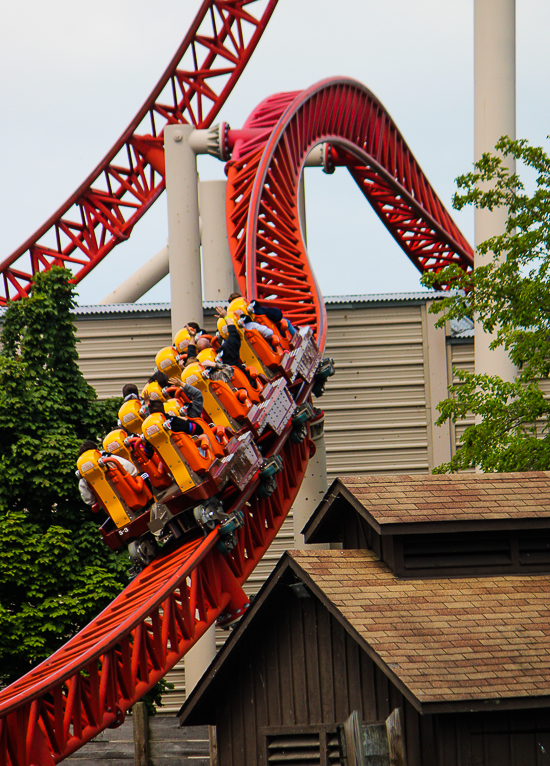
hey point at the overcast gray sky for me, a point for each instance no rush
(74, 74)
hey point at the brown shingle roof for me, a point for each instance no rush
(452, 497)
(445, 640)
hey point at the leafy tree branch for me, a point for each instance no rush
(509, 295)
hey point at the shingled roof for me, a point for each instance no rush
(443, 641)
(391, 501)
(450, 497)
(459, 644)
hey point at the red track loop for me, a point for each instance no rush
(262, 195)
(104, 209)
(91, 681)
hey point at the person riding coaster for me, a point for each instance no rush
(233, 376)
(217, 435)
(131, 448)
(265, 343)
(224, 406)
(303, 356)
(265, 314)
(113, 483)
(186, 457)
(236, 346)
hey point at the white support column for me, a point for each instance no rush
(217, 269)
(494, 116)
(198, 658)
(313, 488)
(141, 281)
(435, 374)
(186, 292)
(183, 227)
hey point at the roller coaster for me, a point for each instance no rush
(91, 682)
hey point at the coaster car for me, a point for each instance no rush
(121, 495)
(225, 411)
(186, 457)
(131, 447)
(130, 416)
(280, 329)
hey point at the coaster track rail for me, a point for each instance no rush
(105, 208)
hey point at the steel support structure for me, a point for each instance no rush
(141, 281)
(263, 215)
(217, 267)
(184, 237)
(104, 209)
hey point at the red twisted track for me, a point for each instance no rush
(262, 195)
(104, 209)
(89, 683)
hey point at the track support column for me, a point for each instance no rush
(217, 268)
(183, 227)
(141, 281)
(198, 658)
(313, 486)
(494, 116)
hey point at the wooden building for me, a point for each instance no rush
(456, 635)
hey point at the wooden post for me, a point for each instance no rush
(353, 740)
(141, 734)
(374, 744)
(396, 741)
(213, 740)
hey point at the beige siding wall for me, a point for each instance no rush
(376, 403)
(115, 350)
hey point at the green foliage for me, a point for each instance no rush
(153, 698)
(510, 296)
(55, 572)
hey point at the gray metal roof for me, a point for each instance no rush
(121, 308)
(421, 295)
(330, 300)
(136, 308)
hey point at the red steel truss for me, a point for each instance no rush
(262, 195)
(89, 683)
(104, 209)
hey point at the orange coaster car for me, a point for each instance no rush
(121, 495)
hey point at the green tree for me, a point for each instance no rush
(55, 571)
(510, 296)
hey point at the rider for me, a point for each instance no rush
(85, 491)
(196, 400)
(130, 391)
(231, 347)
(177, 424)
(262, 309)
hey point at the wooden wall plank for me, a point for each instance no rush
(298, 655)
(312, 659)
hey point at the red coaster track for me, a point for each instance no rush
(263, 180)
(104, 209)
(90, 682)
